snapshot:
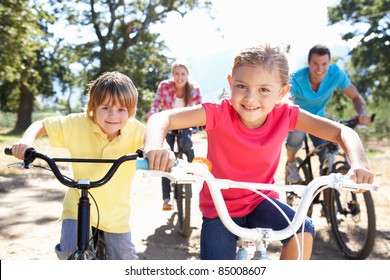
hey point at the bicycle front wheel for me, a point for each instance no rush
(352, 216)
(292, 199)
(183, 202)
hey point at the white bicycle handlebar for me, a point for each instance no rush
(187, 173)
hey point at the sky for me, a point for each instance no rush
(239, 23)
(208, 45)
(208, 41)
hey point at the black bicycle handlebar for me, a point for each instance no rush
(352, 123)
(8, 151)
(30, 155)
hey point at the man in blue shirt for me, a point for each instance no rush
(311, 89)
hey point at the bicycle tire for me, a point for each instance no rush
(354, 231)
(292, 198)
(98, 244)
(183, 203)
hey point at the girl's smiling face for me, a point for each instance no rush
(255, 91)
(111, 118)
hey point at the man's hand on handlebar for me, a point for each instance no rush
(364, 119)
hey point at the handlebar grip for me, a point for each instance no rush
(142, 164)
(8, 151)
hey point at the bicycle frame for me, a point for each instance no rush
(83, 216)
(182, 192)
(178, 140)
(185, 172)
(329, 161)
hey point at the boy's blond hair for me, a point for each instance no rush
(118, 87)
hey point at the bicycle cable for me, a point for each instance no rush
(286, 218)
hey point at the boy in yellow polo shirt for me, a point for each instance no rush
(107, 129)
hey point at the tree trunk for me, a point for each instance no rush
(24, 112)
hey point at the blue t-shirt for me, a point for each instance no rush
(315, 102)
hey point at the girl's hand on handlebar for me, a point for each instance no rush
(18, 150)
(160, 159)
(361, 175)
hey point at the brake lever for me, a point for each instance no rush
(21, 164)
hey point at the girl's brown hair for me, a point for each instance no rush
(273, 59)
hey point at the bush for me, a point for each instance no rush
(7, 121)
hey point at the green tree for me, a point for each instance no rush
(32, 59)
(64, 56)
(123, 39)
(370, 59)
(23, 63)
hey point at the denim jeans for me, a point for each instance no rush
(118, 245)
(188, 151)
(295, 140)
(218, 243)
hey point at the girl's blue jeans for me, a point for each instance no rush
(118, 245)
(188, 151)
(295, 140)
(218, 243)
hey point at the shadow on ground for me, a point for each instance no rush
(167, 244)
(17, 211)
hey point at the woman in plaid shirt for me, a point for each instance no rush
(176, 92)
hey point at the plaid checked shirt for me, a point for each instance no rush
(165, 97)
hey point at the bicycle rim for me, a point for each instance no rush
(183, 202)
(352, 216)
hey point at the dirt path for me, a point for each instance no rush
(31, 204)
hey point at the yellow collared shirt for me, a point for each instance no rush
(84, 139)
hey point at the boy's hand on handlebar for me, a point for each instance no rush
(160, 159)
(361, 175)
(18, 150)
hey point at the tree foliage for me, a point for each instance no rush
(370, 59)
(123, 39)
(23, 64)
(32, 60)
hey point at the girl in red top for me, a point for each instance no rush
(245, 136)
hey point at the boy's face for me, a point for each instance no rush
(254, 93)
(111, 118)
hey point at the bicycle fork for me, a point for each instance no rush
(260, 252)
(83, 252)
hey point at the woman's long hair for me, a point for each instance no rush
(189, 86)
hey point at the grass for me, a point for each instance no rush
(7, 138)
(371, 153)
